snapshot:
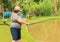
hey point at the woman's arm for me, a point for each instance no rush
(22, 21)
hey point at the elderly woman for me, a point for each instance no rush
(16, 22)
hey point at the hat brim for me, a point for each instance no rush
(17, 10)
(20, 10)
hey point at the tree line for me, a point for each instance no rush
(33, 7)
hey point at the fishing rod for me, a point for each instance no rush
(37, 22)
(43, 21)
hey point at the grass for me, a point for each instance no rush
(5, 35)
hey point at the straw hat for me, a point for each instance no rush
(17, 8)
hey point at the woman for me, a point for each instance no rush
(16, 22)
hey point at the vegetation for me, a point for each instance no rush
(47, 8)
(34, 7)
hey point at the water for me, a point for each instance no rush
(48, 31)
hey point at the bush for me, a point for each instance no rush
(58, 12)
(44, 8)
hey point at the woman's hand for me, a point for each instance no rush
(27, 27)
(27, 24)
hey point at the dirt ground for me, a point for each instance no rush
(48, 31)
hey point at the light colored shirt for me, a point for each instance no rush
(14, 22)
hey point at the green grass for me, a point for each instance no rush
(36, 19)
(5, 35)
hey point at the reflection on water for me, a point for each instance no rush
(48, 31)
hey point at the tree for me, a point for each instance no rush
(55, 2)
(37, 1)
(5, 2)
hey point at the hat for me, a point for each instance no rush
(17, 8)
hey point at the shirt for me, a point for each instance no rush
(14, 22)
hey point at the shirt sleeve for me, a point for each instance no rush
(15, 17)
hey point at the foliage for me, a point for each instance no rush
(37, 7)
(43, 8)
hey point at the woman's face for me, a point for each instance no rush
(19, 12)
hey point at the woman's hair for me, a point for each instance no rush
(16, 11)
